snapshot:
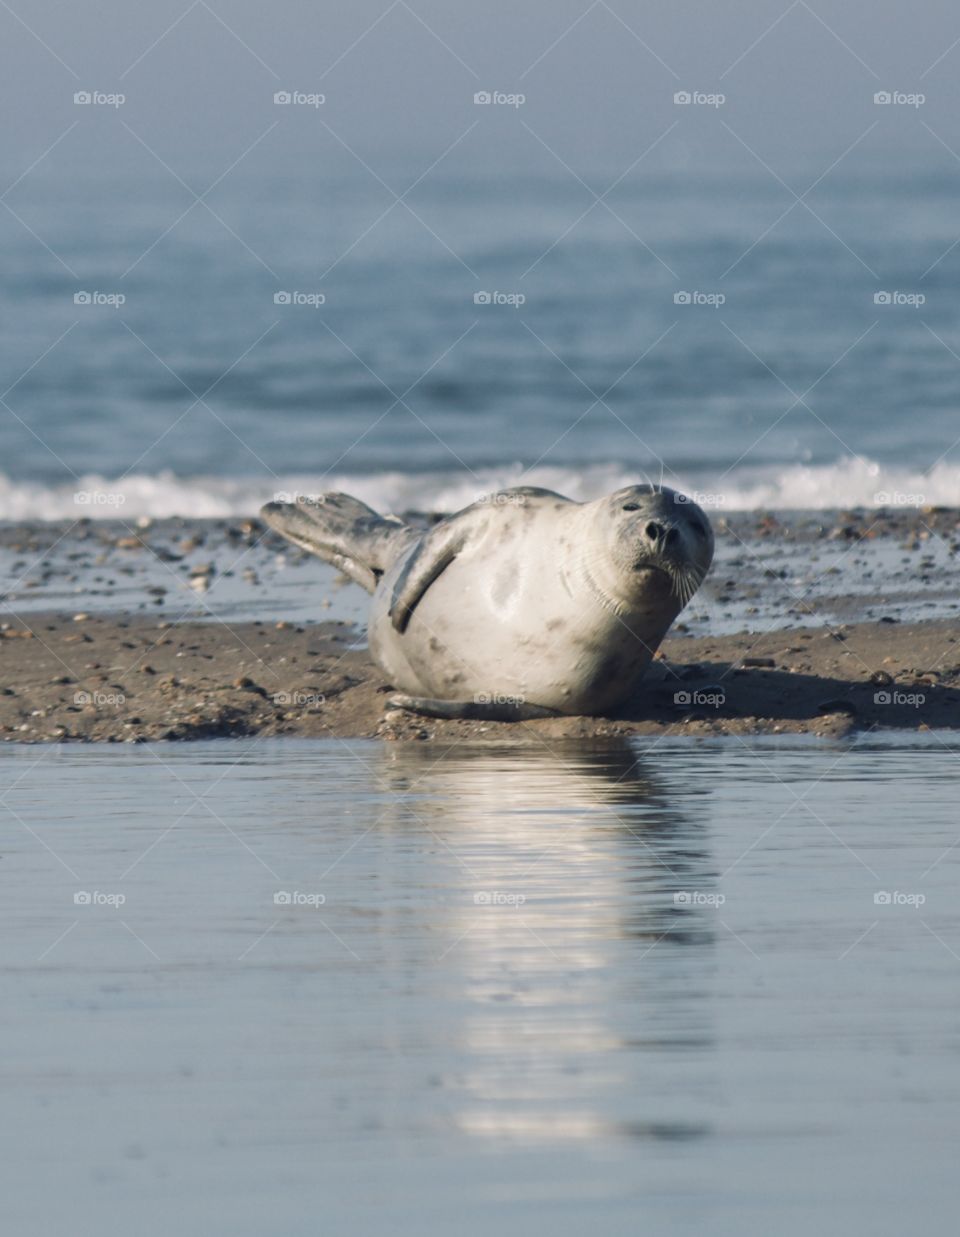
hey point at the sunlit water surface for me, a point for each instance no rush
(375, 988)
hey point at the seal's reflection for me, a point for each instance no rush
(558, 935)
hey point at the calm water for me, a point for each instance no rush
(642, 989)
(400, 386)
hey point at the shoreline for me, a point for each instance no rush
(208, 628)
(122, 678)
(771, 569)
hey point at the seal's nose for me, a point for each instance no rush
(659, 535)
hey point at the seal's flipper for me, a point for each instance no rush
(446, 540)
(492, 710)
(432, 557)
(342, 531)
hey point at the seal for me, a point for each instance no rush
(525, 604)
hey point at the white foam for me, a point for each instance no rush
(848, 483)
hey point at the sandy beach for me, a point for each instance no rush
(808, 624)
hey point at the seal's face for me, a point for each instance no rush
(659, 541)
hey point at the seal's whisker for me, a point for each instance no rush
(686, 581)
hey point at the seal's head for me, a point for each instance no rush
(657, 542)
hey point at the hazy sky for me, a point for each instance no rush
(399, 81)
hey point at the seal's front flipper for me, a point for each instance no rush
(342, 531)
(432, 557)
(495, 709)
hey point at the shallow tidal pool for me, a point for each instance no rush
(293, 987)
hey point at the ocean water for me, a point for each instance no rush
(301, 987)
(603, 353)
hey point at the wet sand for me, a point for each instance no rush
(127, 679)
(772, 569)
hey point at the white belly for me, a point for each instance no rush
(500, 621)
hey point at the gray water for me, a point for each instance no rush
(399, 370)
(643, 989)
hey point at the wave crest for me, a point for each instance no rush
(848, 483)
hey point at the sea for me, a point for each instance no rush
(299, 987)
(167, 356)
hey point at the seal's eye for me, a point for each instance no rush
(698, 528)
(631, 507)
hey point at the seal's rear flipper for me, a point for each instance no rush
(496, 709)
(342, 531)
